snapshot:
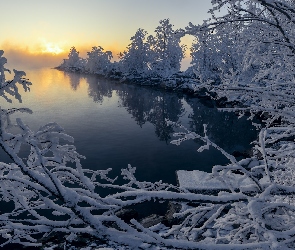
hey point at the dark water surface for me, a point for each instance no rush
(116, 124)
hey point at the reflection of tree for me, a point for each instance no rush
(152, 106)
(224, 128)
(137, 101)
(99, 88)
(166, 106)
(155, 106)
(74, 80)
(144, 104)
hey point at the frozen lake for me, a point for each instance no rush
(117, 124)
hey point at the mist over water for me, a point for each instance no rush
(23, 59)
(117, 124)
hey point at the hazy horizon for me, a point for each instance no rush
(22, 59)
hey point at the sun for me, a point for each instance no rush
(51, 48)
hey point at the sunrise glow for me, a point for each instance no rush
(51, 48)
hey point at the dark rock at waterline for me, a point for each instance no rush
(152, 220)
(169, 218)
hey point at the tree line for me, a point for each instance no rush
(146, 56)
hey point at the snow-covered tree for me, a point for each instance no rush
(74, 62)
(218, 53)
(98, 61)
(158, 55)
(146, 56)
(261, 31)
(136, 60)
(169, 52)
(73, 56)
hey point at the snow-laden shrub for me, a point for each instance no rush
(74, 63)
(154, 56)
(252, 42)
(98, 61)
(136, 60)
(167, 48)
(218, 53)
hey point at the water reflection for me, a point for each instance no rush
(97, 90)
(138, 102)
(74, 80)
(146, 105)
(224, 128)
(117, 124)
(155, 106)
